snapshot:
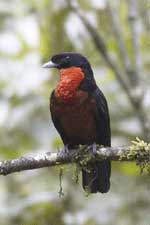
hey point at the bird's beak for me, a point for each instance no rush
(50, 64)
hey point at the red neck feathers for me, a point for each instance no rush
(70, 80)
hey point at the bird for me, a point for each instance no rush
(80, 114)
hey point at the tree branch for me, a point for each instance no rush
(135, 35)
(140, 92)
(82, 155)
(119, 37)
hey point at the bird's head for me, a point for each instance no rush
(75, 71)
(67, 60)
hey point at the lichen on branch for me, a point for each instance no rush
(138, 151)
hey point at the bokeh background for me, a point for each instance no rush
(31, 32)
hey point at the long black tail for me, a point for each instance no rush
(96, 177)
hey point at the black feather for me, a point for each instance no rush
(98, 177)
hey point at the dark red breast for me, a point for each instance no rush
(76, 120)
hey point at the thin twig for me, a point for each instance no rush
(116, 27)
(133, 19)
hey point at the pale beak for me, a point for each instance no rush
(50, 64)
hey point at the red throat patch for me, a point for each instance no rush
(70, 80)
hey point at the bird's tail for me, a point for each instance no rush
(96, 177)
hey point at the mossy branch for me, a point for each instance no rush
(139, 151)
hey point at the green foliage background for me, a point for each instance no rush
(30, 32)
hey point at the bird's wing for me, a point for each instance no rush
(102, 119)
(56, 119)
(102, 169)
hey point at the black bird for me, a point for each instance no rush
(80, 114)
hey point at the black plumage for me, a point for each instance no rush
(86, 121)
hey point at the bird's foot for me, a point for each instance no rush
(63, 151)
(92, 149)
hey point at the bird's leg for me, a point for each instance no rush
(92, 149)
(64, 151)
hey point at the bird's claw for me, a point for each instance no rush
(64, 151)
(92, 149)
